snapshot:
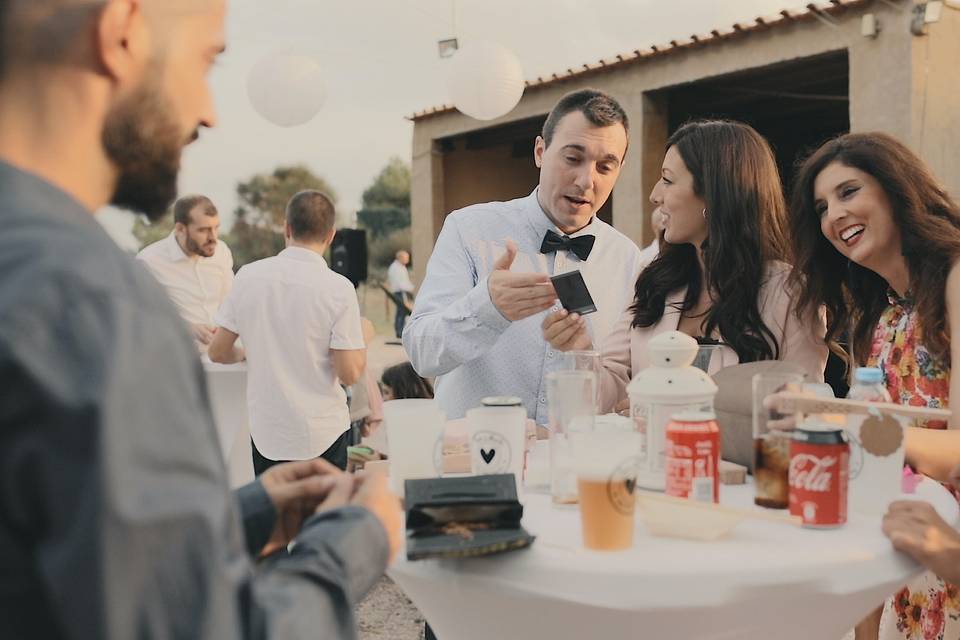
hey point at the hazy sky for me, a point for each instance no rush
(380, 64)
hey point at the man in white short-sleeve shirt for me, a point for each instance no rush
(300, 326)
(193, 265)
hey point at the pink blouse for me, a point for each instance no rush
(625, 349)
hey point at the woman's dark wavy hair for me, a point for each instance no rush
(735, 173)
(854, 296)
(405, 382)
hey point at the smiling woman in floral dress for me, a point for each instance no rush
(877, 241)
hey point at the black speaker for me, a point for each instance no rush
(348, 254)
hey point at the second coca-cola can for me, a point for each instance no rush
(693, 457)
(819, 473)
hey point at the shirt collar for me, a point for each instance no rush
(540, 222)
(42, 199)
(174, 252)
(895, 299)
(303, 255)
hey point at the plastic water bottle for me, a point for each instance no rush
(868, 385)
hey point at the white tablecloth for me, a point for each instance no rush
(765, 580)
(227, 384)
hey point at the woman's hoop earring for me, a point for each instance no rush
(704, 213)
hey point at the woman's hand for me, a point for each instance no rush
(916, 529)
(566, 331)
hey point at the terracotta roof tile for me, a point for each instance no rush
(761, 23)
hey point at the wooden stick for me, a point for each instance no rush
(756, 514)
(788, 402)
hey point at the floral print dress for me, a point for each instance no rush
(928, 608)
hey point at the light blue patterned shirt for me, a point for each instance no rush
(458, 335)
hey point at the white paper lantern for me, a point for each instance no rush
(485, 81)
(286, 88)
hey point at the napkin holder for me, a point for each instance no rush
(463, 517)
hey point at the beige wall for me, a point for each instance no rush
(486, 174)
(899, 83)
(936, 98)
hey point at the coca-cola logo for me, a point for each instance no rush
(812, 473)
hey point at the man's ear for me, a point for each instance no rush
(331, 236)
(122, 40)
(539, 146)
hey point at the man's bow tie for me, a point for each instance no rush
(581, 245)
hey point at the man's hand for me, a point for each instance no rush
(202, 333)
(566, 331)
(296, 489)
(518, 295)
(916, 529)
(372, 493)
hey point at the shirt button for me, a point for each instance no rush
(543, 400)
(549, 354)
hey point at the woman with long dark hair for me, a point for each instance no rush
(401, 381)
(877, 242)
(720, 274)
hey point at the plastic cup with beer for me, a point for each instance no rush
(605, 465)
(497, 440)
(414, 439)
(571, 408)
(771, 439)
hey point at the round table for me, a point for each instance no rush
(764, 580)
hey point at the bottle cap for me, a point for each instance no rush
(868, 375)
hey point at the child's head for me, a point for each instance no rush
(400, 382)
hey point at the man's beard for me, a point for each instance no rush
(142, 138)
(197, 249)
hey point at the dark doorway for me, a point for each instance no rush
(796, 105)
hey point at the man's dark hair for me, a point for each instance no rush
(599, 108)
(311, 216)
(42, 30)
(186, 205)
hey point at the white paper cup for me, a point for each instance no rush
(497, 440)
(415, 439)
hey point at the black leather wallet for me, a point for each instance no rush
(463, 517)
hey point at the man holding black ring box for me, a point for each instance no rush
(476, 323)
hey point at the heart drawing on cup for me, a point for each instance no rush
(490, 453)
(631, 485)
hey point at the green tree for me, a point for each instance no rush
(148, 233)
(264, 197)
(249, 242)
(386, 202)
(258, 228)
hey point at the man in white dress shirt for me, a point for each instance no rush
(398, 281)
(193, 265)
(476, 322)
(302, 336)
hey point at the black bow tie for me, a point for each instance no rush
(581, 245)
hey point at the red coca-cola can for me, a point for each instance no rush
(819, 473)
(693, 456)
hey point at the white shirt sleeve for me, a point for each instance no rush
(454, 321)
(346, 334)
